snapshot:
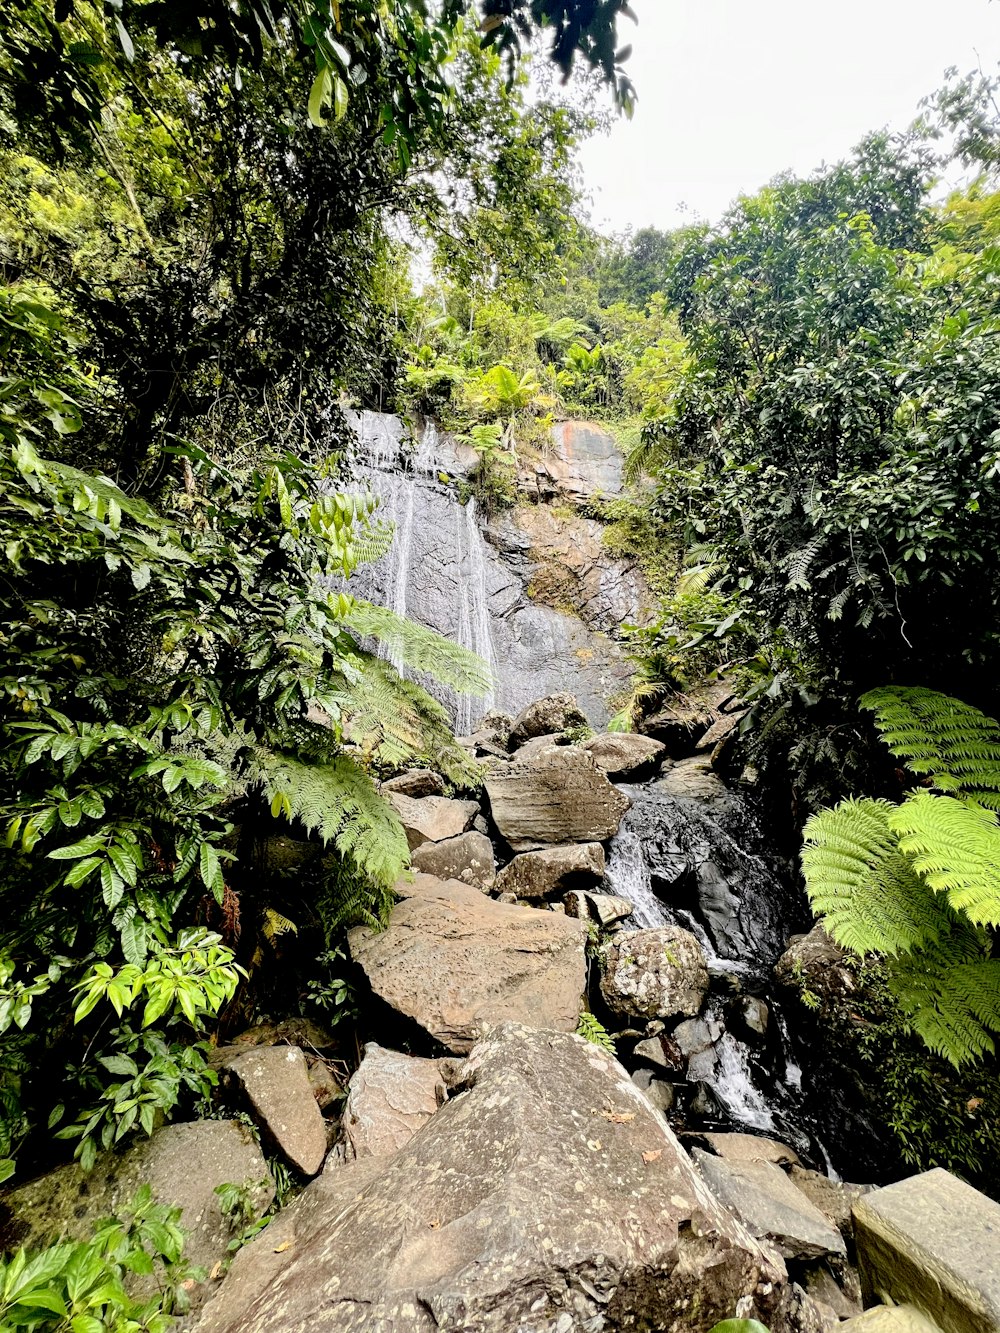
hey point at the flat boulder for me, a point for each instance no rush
(432, 818)
(545, 717)
(468, 858)
(552, 871)
(834, 1198)
(275, 1082)
(932, 1242)
(769, 1205)
(389, 1097)
(548, 1196)
(558, 796)
(452, 959)
(658, 973)
(181, 1163)
(626, 756)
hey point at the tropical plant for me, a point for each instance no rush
(593, 1030)
(82, 1285)
(919, 882)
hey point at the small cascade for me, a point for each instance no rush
(696, 858)
(475, 630)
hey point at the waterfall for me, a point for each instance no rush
(628, 876)
(438, 549)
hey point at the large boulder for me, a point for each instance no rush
(815, 965)
(603, 909)
(657, 973)
(389, 1097)
(452, 959)
(548, 1196)
(275, 1082)
(545, 717)
(744, 1148)
(765, 1201)
(626, 756)
(182, 1164)
(469, 857)
(933, 1242)
(552, 871)
(557, 796)
(432, 818)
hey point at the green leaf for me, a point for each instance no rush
(739, 1326)
(319, 96)
(7, 1168)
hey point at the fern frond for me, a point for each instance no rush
(955, 846)
(798, 563)
(421, 648)
(644, 456)
(867, 893)
(950, 995)
(337, 801)
(939, 737)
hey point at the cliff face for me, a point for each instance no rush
(533, 592)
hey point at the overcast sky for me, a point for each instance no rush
(731, 92)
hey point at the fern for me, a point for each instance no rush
(955, 846)
(919, 881)
(950, 996)
(337, 801)
(421, 648)
(869, 896)
(940, 738)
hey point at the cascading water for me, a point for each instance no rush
(693, 857)
(406, 480)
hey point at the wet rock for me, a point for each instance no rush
(416, 782)
(558, 796)
(499, 1216)
(604, 909)
(301, 1032)
(769, 1205)
(182, 1164)
(275, 1082)
(654, 974)
(583, 460)
(816, 964)
(692, 780)
(932, 1241)
(834, 1198)
(626, 756)
(452, 959)
(432, 818)
(679, 725)
(469, 858)
(389, 1097)
(538, 875)
(660, 1051)
(744, 1148)
(749, 1017)
(545, 717)
(704, 1102)
(697, 1034)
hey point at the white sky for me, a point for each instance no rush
(731, 92)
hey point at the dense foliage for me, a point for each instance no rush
(201, 259)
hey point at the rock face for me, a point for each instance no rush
(769, 1205)
(432, 818)
(625, 756)
(389, 1097)
(743, 1148)
(559, 796)
(181, 1163)
(469, 857)
(275, 1081)
(584, 460)
(654, 974)
(452, 960)
(544, 874)
(546, 717)
(547, 1196)
(932, 1242)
